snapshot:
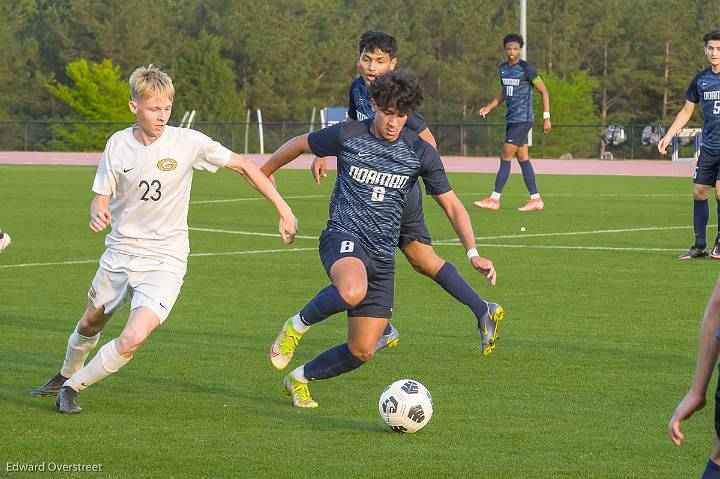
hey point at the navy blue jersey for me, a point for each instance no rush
(359, 107)
(517, 84)
(373, 180)
(705, 89)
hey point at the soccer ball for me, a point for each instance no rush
(406, 406)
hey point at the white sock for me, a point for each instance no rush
(495, 195)
(78, 348)
(106, 361)
(299, 374)
(535, 196)
(298, 325)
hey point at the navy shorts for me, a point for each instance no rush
(412, 226)
(708, 167)
(378, 302)
(517, 133)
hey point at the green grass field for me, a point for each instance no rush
(597, 348)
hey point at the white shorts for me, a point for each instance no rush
(149, 282)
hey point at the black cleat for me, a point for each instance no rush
(51, 387)
(65, 401)
(696, 251)
(715, 253)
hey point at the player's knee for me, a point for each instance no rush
(129, 342)
(353, 294)
(428, 263)
(363, 353)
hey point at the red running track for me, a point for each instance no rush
(452, 163)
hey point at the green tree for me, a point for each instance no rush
(99, 95)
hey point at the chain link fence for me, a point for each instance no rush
(456, 139)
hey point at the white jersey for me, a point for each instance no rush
(150, 189)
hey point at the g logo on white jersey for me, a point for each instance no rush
(167, 164)
(347, 247)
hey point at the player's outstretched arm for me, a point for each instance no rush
(708, 349)
(681, 120)
(100, 213)
(285, 154)
(460, 220)
(427, 135)
(547, 125)
(484, 111)
(259, 181)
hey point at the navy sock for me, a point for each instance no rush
(529, 176)
(701, 213)
(333, 362)
(502, 175)
(387, 329)
(712, 471)
(450, 279)
(326, 303)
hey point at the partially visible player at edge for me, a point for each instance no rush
(378, 56)
(4, 240)
(379, 162)
(703, 89)
(694, 400)
(142, 189)
(518, 79)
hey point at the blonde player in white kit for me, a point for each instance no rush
(142, 190)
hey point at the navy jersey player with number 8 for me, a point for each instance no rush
(379, 162)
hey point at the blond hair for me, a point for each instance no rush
(150, 81)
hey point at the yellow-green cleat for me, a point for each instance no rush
(299, 392)
(282, 349)
(489, 325)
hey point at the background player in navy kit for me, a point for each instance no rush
(704, 89)
(378, 55)
(517, 78)
(379, 162)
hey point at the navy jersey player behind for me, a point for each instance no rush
(379, 163)
(378, 56)
(518, 79)
(704, 89)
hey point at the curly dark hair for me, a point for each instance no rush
(714, 35)
(513, 37)
(373, 40)
(399, 89)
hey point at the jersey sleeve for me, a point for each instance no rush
(211, 155)
(531, 73)
(693, 95)
(352, 107)
(432, 170)
(328, 141)
(105, 182)
(416, 122)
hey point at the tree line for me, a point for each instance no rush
(605, 61)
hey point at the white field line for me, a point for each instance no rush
(221, 253)
(249, 233)
(451, 242)
(571, 233)
(256, 198)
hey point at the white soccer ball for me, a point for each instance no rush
(406, 406)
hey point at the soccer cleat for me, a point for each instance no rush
(4, 240)
(715, 253)
(282, 349)
(489, 325)
(51, 387)
(535, 204)
(65, 401)
(488, 204)
(696, 251)
(299, 392)
(389, 340)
